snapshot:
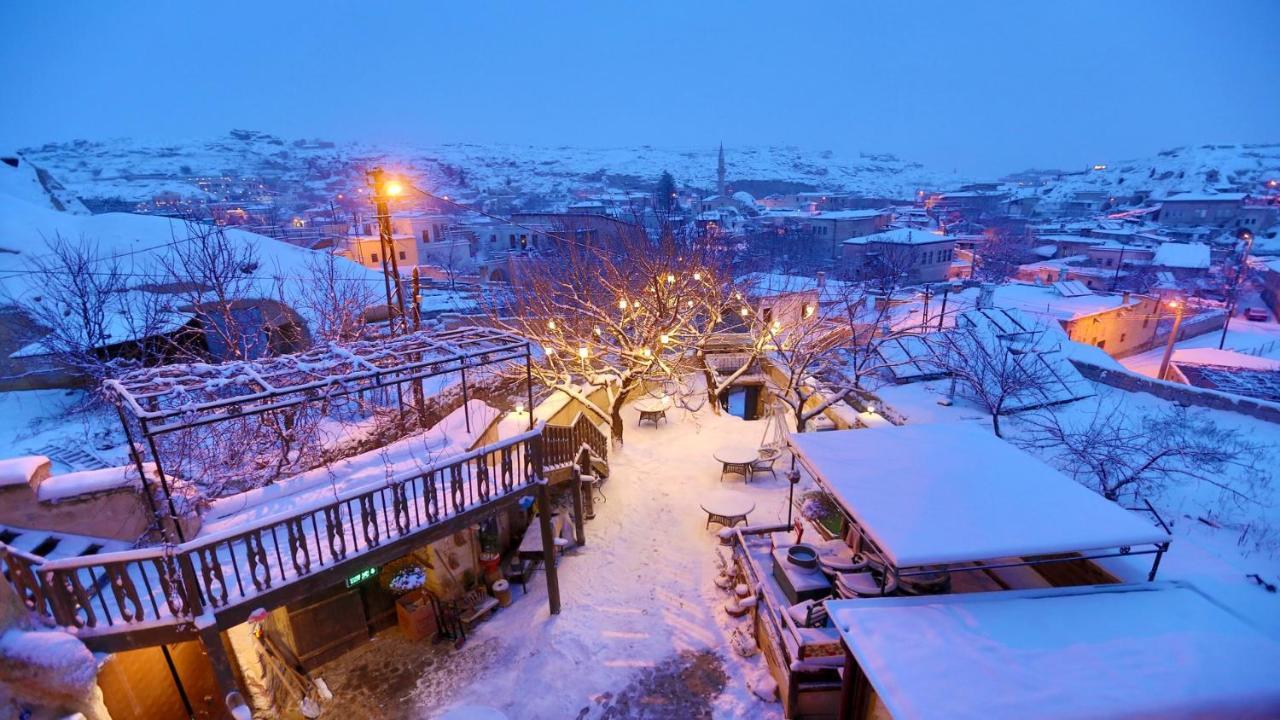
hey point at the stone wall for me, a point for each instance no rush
(1175, 392)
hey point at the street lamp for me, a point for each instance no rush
(1177, 306)
(1233, 298)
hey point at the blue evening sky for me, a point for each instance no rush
(981, 87)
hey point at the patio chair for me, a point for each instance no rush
(766, 463)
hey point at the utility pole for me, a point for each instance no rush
(383, 191)
(1247, 237)
(1173, 337)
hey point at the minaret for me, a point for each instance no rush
(720, 172)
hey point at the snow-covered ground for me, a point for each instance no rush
(1261, 338)
(640, 611)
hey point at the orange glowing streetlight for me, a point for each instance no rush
(1177, 306)
(393, 188)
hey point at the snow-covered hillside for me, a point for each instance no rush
(1204, 168)
(138, 171)
(30, 218)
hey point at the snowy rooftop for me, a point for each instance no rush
(901, 236)
(1151, 650)
(1182, 255)
(1045, 300)
(945, 494)
(1205, 197)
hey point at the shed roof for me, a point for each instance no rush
(955, 493)
(1151, 650)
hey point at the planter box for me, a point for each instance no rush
(416, 616)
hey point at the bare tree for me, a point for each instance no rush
(210, 276)
(1000, 372)
(1124, 454)
(94, 321)
(998, 254)
(617, 312)
(334, 300)
(800, 337)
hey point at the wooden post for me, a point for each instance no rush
(845, 711)
(548, 547)
(579, 531)
(220, 661)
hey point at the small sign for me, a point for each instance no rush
(361, 576)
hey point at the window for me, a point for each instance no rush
(373, 257)
(426, 237)
(1123, 336)
(767, 315)
(402, 255)
(1145, 321)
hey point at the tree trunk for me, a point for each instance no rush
(995, 424)
(712, 397)
(615, 418)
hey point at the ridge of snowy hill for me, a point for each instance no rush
(137, 171)
(24, 181)
(1243, 167)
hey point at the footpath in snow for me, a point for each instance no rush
(641, 632)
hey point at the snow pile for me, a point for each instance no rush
(48, 661)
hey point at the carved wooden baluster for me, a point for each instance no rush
(26, 582)
(482, 479)
(215, 585)
(432, 504)
(400, 507)
(299, 553)
(369, 521)
(506, 471)
(125, 592)
(334, 529)
(69, 599)
(175, 592)
(458, 493)
(259, 565)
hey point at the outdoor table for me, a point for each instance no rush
(652, 409)
(737, 459)
(727, 509)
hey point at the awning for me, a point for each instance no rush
(1151, 650)
(954, 493)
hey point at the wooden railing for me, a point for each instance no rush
(165, 585)
(562, 444)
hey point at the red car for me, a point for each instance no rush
(1255, 314)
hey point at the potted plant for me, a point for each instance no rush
(414, 612)
(490, 559)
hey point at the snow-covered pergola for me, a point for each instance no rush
(955, 496)
(1147, 650)
(182, 396)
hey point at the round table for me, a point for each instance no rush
(652, 409)
(737, 460)
(727, 509)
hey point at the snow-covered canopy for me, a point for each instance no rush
(1152, 650)
(946, 494)
(179, 393)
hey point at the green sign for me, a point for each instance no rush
(361, 576)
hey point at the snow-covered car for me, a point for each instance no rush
(1255, 314)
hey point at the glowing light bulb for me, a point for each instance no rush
(665, 339)
(622, 304)
(551, 324)
(583, 352)
(393, 188)
(697, 276)
(744, 312)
